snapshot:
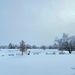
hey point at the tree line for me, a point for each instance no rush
(65, 43)
(15, 46)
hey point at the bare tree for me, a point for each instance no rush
(23, 47)
(66, 43)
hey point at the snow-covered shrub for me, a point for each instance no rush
(10, 54)
(54, 53)
(28, 53)
(2, 55)
(36, 53)
(61, 52)
(18, 54)
(48, 53)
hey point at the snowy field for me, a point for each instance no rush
(39, 62)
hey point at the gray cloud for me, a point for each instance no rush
(36, 21)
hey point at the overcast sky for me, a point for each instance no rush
(35, 21)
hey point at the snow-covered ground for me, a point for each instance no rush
(43, 63)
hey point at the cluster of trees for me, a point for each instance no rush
(54, 46)
(14, 46)
(66, 43)
(10, 46)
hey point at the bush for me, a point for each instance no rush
(10, 54)
(54, 53)
(28, 52)
(61, 52)
(36, 53)
(2, 55)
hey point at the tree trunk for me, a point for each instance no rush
(22, 53)
(70, 51)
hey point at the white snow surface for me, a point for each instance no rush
(38, 64)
